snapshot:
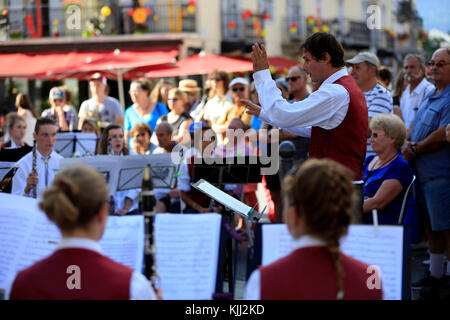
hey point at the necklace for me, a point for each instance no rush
(378, 164)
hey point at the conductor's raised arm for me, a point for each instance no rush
(259, 58)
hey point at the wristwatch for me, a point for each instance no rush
(413, 147)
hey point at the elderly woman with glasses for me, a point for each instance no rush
(387, 174)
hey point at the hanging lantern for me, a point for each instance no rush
(319, 22)
(420, 43)
(311, 20)
(191, 7)
(155, 17)
(246, 14)
(315, 29)
(232, 25)
(266, 16)
(5, 12)
(391, 34)
(148, 11)
(130, 12)
(326, 29)
(263, 33)
(402, 41)
(139, 15)
(105, 11)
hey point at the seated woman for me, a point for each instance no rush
(89, 126)
(317, 212)
(112, 142)
(17, 128)
(387, 174)
(178, 119)
(140, 134)
(77, 202)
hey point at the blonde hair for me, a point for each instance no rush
(179, 93)
(75, 197)
(322, 191)
(392, 126)
(12, 118)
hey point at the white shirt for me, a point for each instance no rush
(140, 288)
(410, 101)
(325, 108)
(120, 197)
(31, 123)
(24, 165)
(14, 145)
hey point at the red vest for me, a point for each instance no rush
(346, 143)
(309, 274)
(101, 278)
(199, 197)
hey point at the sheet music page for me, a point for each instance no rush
(123, 240)
(86, 142)
(222, 197)
(384, 250)
(187, 253)
(26, 236)
(4, 168)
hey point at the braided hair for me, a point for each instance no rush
(321, 191)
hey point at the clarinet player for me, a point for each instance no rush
(35, 171)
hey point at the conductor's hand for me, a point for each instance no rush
(159, 294)
(251, 108)
(259, 58)
(32, 180)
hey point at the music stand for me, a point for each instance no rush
(69, 143)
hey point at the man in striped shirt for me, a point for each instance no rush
(364, 69)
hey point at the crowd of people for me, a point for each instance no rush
(380, 137)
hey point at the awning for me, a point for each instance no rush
(202, 63)
(279, 64)
(80, 65)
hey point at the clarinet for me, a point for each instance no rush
(34, 170)
(148, 204)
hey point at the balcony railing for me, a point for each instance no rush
(90, 22)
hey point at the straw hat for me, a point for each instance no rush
(188, 85)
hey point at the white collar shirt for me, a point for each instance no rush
(410, 101)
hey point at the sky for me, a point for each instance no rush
(435, 14)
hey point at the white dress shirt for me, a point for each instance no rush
(325, 108)
(410, 101)
(140, 288)
(24, 165)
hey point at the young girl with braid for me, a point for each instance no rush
(77, 202)
(317, 213)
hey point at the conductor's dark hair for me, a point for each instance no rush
(42, 122)
(321, 42)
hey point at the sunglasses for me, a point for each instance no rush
(241, 89)
(439, 64)
(293, 79)
(376, 135)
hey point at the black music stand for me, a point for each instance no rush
(68, 143)
(234, 170)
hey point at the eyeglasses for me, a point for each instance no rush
(293, 79)
(376, 135)
(241, 89)
(439, 64)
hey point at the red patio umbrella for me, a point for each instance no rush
(203, 63)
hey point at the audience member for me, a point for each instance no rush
(68, 107)
(160, 92)
(141, 134)
(64, 120)
(28, 113)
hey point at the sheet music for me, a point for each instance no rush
(222, 197)
(384, 250)
(4, 168)
(187, 253)
(27, 236)
(84, 143)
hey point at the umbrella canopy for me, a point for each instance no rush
(202, 63)
(80, 65)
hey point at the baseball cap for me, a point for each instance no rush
(97, 76)
(196, 125)
(238, 81)
(365, 57)
(56, 93)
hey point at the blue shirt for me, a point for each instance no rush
(131, 117)
(398, 169)
(434, 112)
(256, 123)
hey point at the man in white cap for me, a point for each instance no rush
(239, 90)
(364, 69)
(64, 119)
(100, 107)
